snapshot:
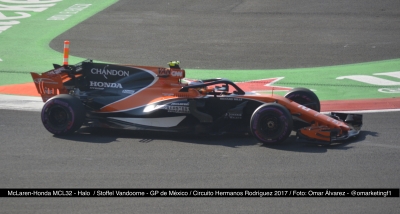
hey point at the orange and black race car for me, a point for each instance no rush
(161, 99)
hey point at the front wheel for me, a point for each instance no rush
(63, 114)
(271, 123)
(307, 98)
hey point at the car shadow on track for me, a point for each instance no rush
(291, 144)
(96, 135)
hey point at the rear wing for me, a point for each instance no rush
(48, 84)
(51, 83)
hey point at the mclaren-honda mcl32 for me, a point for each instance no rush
(161, 99)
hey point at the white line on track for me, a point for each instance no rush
(364, 111)
(23, 103)
(30, 103)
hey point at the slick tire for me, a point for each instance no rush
(306, 98)
(271, 123)
(63, 114)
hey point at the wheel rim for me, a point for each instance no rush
(270, 126)
(58, 117)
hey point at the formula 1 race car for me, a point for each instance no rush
(161, 99)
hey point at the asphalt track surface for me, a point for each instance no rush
(237, 34)
(212, 34)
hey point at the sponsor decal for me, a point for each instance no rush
(74, 9)
(182, 108)
(231, 98)
(109, 72)
(102, 85)
(128, 91)
(45, 80)
(180, 104)
(49, 91)
(163, 72)
(304, 108)
(166, 72)
(178, 109)
(18, 9)
(56, 71)
(234, 116)
(177, 73)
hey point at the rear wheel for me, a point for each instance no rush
(63, 114)
(271, 123)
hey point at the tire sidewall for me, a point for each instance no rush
(285, 122)
(73, 112)
(306, 95)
